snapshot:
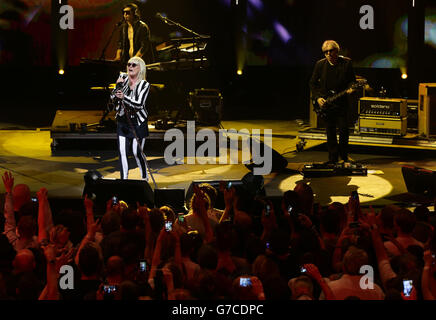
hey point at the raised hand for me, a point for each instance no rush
(88, 203)
(42, 195)
(8, 181)
(312, 271)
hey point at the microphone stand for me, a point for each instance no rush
(108, 41)
(127, 113)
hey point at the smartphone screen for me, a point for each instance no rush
(290, 208)
(229, 185)
(407, 287)
(181, 218)
(267, 245)
(303, 270)
(34, 199)
(245, 282)
(168, 226)
(108, 289)
(267, 210)
(142, 266)
(114, 200)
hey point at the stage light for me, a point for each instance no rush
(239, 72)
(404, 76)
(61, 71)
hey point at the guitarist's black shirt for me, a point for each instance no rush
(326, 78)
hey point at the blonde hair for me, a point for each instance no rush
(333, 43)
(142, 68)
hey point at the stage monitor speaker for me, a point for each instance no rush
(427, 109)
(419, 180)
(130, 191)
(174, 197)
(254, 185)
(278, 162)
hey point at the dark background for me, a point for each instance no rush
(274, 83)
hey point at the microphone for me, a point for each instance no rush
(119, 85)
(161, 17)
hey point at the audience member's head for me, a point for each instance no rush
(263, 268)
(353, 260)
(128, 290)
(168, 213)
(385, 219)
(404, 221)
(305, 193)
(110, 222)
(210, 191)
(156, 220)
(339, 208)
(129, 219)
(20, 196)
(24, 261)
(59, 235)
(115, 267)
(301, 288)
(90, 260)
(422, 213)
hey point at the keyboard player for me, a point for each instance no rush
(134, 38)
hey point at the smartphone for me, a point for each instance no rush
(229, 185)
(303, 270)
(108, 289)
(181, 218)
(168, 226)
(407, 287)
(290, 208)
(114, 200)
(245, 282)
(267, 210)
(34, 199)
(142, 266)
(267, 245)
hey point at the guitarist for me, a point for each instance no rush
(334, 73)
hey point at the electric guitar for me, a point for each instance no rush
(331, 97)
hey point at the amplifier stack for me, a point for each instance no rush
(382, 116)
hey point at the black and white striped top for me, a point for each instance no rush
(134, 99)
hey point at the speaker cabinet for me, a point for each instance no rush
(419, 180)
(427, 109)
(130, 191)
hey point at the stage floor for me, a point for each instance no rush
(27, 154)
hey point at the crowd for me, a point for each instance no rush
(253, 249)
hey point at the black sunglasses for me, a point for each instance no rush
(329, 51)
(132, 64)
